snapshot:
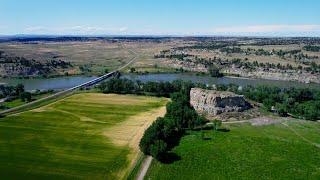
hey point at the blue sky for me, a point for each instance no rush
(161, 17)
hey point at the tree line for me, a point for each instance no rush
(312, 48)
(300, 102)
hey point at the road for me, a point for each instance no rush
(144, 168)
(64, 92)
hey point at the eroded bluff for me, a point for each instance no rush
(212, 103)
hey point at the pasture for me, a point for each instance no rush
(87, 135)
(288, 150)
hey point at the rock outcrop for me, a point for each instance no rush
(212, 103)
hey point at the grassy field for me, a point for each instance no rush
(88, 135)
(282, 151)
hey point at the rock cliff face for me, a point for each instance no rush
(211, 103)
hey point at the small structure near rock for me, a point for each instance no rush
(212, 103)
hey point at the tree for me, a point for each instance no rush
(216, 124)
(132, 70)
(25, 96)
(19, 89)
(214, 71)
(281, 109)
(158, 149)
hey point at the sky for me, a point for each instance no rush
(161, 17)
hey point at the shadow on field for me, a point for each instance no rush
(205, 128)
(206, 138)
(174, 140)
(224, 130)
(169, 158)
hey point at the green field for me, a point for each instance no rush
(72, 138)
(246, 152)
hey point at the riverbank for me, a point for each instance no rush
(60, 83)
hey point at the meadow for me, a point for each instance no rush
(87, 135)
(288, 150)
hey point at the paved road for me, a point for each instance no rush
(144, 168)
(86, 84)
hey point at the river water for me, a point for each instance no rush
(60, 83)
(211, 80)
(57, 83)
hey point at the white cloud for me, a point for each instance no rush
(268, 29)
(75, 30)
(253, 30)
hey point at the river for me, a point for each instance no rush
(60, 83)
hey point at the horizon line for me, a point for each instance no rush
(155, 35)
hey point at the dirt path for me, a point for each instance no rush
(299, 135)
(236, 122)
(144, 168)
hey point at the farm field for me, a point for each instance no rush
(88, 135)
(288, 150)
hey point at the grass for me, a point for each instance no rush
(247, 152)
(71, 138)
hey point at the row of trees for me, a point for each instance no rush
(126, 86)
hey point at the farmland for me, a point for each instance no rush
(88, 135)
(287, 150)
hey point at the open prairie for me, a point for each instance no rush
(88, 135)
(95, 55)
(288, 150)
